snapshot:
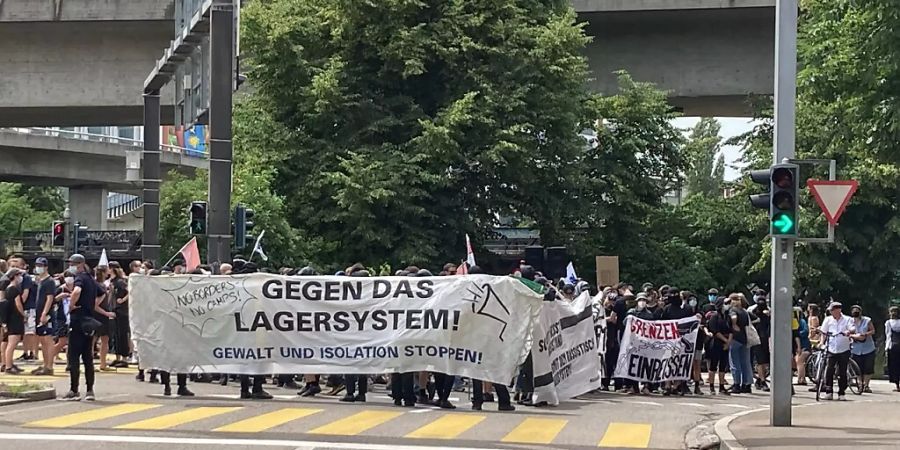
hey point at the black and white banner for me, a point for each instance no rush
(565, 354)
(476, 325)
(657, 350)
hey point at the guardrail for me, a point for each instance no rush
(120, 208)
(108, 139)
(91, 243)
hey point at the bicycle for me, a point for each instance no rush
(818, 361)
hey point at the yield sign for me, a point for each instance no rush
(832, 196)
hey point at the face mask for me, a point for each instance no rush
(693, 303)
(39, 270)
(711, 297)
(613, 295)
(70, 280)
(641, 304)
(73, 270)
(856, 313)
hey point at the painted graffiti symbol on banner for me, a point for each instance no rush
(477, 326)
(656, 351)
(565, 356)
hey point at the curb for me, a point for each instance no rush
(726, 437)
(32, 396)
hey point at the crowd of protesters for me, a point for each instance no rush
(83, 313)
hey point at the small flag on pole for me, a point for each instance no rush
(571, 277)
(257, 247)
(104, 260)
(463, 269)
(191, 254)
(470, 255)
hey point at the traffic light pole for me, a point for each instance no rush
(151, 179)
(783, 248)
(220, 149)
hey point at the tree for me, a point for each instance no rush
(411, 123)
(28, 208)
(706, 162)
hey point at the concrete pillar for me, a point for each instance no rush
(89, 206)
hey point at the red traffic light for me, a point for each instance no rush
(783, 177)
(57, 228)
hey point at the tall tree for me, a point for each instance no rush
(706, 162)
(414, 121)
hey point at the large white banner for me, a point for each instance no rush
(475, 325)
(565, 356)
(657, 350)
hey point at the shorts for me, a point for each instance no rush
(761, 352)
(717, 357)
(62, 331)
(30, 321)
(865, 362)
(44, 330)
(103, 330)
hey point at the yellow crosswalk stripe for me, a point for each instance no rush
(268, 420)
(95, 414)
(630, 435)
(356, 423)
(448, 426)
(182, 417)
(536, 431)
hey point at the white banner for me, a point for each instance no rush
(476, 325)
(565, 356)
(657, 350)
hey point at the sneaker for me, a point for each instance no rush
(89, 396)
(139, 377)
(348, 398)
(167, 391)
(246, 395)
(446, 405)
(360, 398)
(71, 396)
(841, 398)
(867, 390)
(506, 408)
(311, 391)
(38, 371)
(476, 406)
(261, 395)
(107, 369)
(829, 397)
(14, 371)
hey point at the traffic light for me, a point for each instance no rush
(197, 224)
(58, 233)
(240, 226)
(781, 201)
(249, 225)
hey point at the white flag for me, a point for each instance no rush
(257, 248)
(571, 277)
(470, 255)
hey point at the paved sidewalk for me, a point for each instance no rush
(870, 421)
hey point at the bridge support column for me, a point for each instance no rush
(89, 206)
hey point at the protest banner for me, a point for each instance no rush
(565, 354)
(658, 350)
(476, 325)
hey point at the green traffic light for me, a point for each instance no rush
(783, 223)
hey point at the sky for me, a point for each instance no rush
(731, 126)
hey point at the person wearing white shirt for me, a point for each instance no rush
(839, 328)
(892, 344)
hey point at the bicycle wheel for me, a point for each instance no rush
(812, 367)
(820, 375)
(854, 381)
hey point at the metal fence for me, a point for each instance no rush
(118, 244)
(108, 139)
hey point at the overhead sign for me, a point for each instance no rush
(832, 196)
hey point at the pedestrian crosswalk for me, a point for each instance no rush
(371, 421)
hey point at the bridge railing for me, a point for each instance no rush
(91, 243)
(109, 139)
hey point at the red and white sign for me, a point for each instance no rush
(832, 196)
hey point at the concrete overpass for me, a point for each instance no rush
(89, 165)
(83, 62)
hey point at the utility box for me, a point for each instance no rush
(133, 165)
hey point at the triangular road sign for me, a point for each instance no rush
(832, 196)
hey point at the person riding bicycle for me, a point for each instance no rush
(839, 329)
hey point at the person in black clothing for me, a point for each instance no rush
(351, 382)
(719, 326)
(44, 298)
(504, 403)
(612, 342)
(14, 316)
(121, 330)
(526, 373)
(81, 328)
(761, 352)
(674, 310)
(241, 267)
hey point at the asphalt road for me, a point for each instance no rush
(135, 415)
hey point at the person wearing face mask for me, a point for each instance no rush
(15, 317)
(862, 349)
(719, 327)
(892, 345)
(45, 288)
(61, 316)
(81, 309)
(761, 352)
(612, 341)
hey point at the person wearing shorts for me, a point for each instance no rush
(862, 349)
(15, 318)
(719, 326)
(45, 288)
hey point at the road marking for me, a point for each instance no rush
(71, 420)
(448, 426)
(269, 420)
(184, 442)
(629, 435)
(644, 403)
(357, 423)
(734, 405)
(182, 417)
(535, 431)
(696, 405)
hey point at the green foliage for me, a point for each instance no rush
(28, 208)
(412, 122)
(706, 162)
